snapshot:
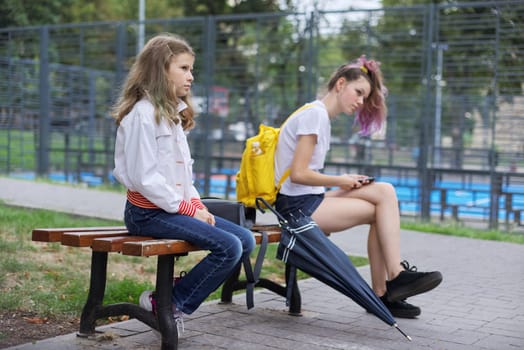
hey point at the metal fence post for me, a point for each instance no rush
(44, 96)
(424, 176)
(91, 132)
(209, 59)
(496, 190)
(496, 179)
(120, 44)
(312, 58)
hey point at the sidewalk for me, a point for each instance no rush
(479, 305)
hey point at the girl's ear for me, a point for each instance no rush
(341, 82)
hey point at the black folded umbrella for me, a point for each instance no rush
(305, 246)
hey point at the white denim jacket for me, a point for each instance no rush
(154, 159)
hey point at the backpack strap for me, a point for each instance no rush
(283, 178)
(253, 273)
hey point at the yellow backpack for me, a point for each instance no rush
(257, 167)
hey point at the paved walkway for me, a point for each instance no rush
(479, 305)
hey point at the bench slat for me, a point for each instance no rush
(55, 234)
(157, 247)
(273, 236)
(85, 239)
(114, 244)
(116, 239)
(260, 227)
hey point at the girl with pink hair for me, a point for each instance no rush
(303, 143)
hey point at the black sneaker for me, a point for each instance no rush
(401, 309)
(410, 282)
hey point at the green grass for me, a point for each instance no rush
(117, 187)
(454, 229)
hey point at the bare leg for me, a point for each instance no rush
(332, 216)
(388, 228)
(376, 263)
(375, 204)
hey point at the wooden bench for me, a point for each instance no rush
(114, 239)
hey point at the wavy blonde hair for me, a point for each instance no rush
(148, 78)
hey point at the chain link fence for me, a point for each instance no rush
(452, 145)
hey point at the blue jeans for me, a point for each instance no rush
(226, 241)
(307, 203)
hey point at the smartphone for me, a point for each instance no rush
(367, 180)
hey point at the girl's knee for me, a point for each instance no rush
(387, 189)
(249, 243)
(234, 251)
(246, 244)
(247, 240)
(234, 247)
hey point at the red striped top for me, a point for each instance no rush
(185, 208)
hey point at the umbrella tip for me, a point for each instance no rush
(404, 334)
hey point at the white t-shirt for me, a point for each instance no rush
(310, 121)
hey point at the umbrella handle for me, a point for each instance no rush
(259, 207)
(268, 206)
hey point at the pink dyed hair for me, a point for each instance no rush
(372, 115)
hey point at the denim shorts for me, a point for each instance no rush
(306, 203)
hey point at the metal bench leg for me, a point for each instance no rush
(164, 289)
(97, 286)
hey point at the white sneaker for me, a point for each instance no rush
(147, 301)
(179, 320)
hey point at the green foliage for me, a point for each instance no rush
(221, 7)
(16, 13)
(469, 65)
(102, 10)
(202, 8)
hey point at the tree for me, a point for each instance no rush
(478, 46)
(17, 13)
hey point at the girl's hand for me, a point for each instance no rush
(350, 181)
(354, 181)
(205, 216)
